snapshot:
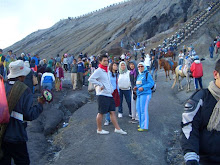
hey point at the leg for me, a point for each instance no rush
(127, 94)
(99, 121)
(165, 74)
(200, 82)
(75, 81)
(138, 107)
(155, 75)
(145, 99)
(196, 83)
(114, 120)
(120, 108)
(107, 117)
(72, 79)
(133, 106)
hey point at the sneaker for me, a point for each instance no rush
(106, 122)
(130, 115)
(120, 131)
(133, 121)
(142, 130)
(120, 115)
(138, 126)
(102, 132)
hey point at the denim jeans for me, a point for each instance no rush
(211, 54)
(154, 71)
(196, 81)
(127, 94)
(47, 86)
(180, 61)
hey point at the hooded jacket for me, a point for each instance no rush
(196, 69)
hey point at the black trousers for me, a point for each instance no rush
(16, 151)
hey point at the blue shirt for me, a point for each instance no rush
(147, 84)
(113, 80)
(81, 67)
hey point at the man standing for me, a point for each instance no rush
(20, 100)
(201, 125)
(104, 92)
(154, 67)
(94, 62)
(197, 72)
(211, 50)
(80, 71)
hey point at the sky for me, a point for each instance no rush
(19, 18)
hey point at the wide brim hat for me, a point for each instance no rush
(17, 69)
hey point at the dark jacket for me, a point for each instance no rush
(16, 130)
(74, 68)
(29, 80)
(154, 64)
(196, 139)
(95, 64)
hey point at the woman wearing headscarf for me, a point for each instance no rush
(124, 84)
(133, 77)
(143, 87)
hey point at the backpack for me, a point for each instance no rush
(153, 89)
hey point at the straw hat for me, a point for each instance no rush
(17, 68)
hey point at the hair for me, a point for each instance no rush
(217, 66)
(74, 60)
(111, 69)
(48, 69)
(1, 50)
(102, 56)
(58, 55)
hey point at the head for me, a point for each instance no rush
(41, 63)
(58, 55)
(10, 52)
(122, 66)
(94, 58)
(113, 67)
(141, 67)
(18, 70)
(58, 64)
(74, 61)
(79, 59)
(48, 70)
(153, 57)
(103, 60)
(216, 73)
(131, 65)
(22, 55)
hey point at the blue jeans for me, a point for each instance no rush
(48, 86)
(196, 81)
(127, 94)
(180, 61)
(154, 71)
(211, 54)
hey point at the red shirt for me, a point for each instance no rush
(196, 69)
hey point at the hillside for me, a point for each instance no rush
(131, 21)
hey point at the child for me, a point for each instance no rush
(47, 79)
(59, 76)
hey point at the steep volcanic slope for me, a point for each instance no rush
(132, 21)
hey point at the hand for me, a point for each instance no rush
(41, 100)
(135, 88)
(102, 87)
(1, 77)
(141, 89)
(192, 162)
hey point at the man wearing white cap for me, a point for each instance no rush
(20, 100)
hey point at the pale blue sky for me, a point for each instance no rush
(19, 18)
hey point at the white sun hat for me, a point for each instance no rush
(17, 68)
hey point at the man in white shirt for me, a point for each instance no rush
(181, 57)
(104, 92)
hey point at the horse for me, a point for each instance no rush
(183, 71)
(167, 66)
(168, 54)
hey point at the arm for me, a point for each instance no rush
(42, 79)
(31, 112)
(191, 121)
(93, 78)
(149, 84)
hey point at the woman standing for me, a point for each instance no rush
(59, 75)
(113, 76)
(133, 78)
(143, 87)
(124, 84)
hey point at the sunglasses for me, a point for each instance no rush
(140, 66)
